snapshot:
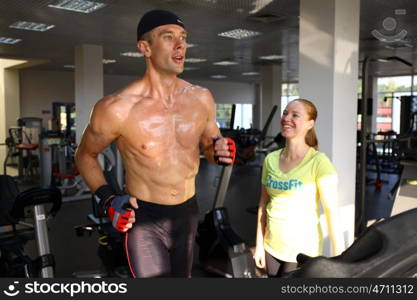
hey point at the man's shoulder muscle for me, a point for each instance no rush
(109, 114)
(202, 94)
(109, 106)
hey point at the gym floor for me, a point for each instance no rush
(79, 253)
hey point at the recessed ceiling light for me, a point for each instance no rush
(400, 12)
(218, 76)
(81, 6)
(195, 60)
(31, 26)
(225, 63)
(272, 57)
(190, 68)
(69, 66)
(109, 61)
(9, 41)
(239, 34)
(383, 60)
(132, 54)
(250, 73)
(259, 5)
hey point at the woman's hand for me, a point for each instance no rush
(259, 257)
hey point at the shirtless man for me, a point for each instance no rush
(160, 123)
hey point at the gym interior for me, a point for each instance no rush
(353, 59)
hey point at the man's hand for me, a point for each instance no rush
(224, 150)
(120, 212)
(119, 208)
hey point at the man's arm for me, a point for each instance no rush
(104, 127)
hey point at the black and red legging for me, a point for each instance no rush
(161, 242)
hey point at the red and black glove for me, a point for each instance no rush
(231, 148)
(115, 206)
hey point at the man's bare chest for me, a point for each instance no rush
(161, 129)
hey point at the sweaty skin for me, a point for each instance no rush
(160, 145)
(158, 140)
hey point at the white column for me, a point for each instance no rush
(373, 92)
(256, 117)
(9, 99)
(12, 96)
(329, 38)
(88, 83)
(270, 96)
(396, 115)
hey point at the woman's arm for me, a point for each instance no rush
(260, 231)
(329, 199)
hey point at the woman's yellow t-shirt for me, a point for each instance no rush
(293, 225)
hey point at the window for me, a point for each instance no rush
(243, 115)
(289, 91)
(223, 114)
(390, 90)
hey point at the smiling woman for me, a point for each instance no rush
(295, 181)
(299, 117)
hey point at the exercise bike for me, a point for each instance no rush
(14, 262)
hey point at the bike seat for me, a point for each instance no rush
(36, 196)
(27, 146)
